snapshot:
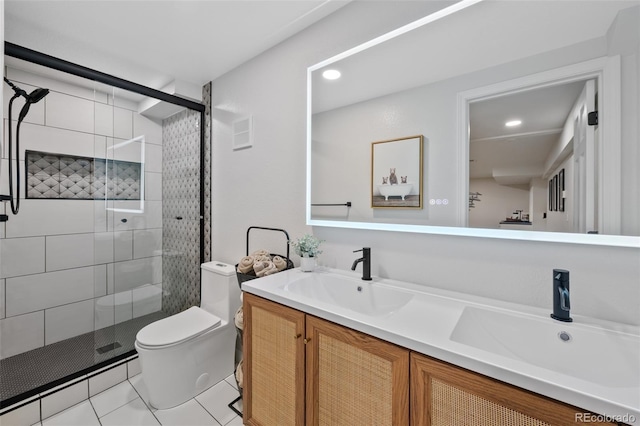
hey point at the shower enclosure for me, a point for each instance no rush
(109, 235)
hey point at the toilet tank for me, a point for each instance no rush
(220, 292)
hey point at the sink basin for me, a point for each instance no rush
(365, 297)
(605, 357)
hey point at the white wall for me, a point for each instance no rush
(498, 202)
(62, 261)
(265, 185)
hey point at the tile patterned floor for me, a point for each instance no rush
(127, 404)
(29, 370)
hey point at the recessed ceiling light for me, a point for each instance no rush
(331, 74)
(513, 123)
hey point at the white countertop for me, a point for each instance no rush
(427, 321)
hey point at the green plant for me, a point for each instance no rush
(306, 246)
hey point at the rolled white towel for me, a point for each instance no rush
(262, 258)
(269, 268)
(239, 375)
(260, 253)
(259, 266)
(280, 263)
(246, 264)
(239, 318)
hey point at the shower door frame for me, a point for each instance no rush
(48, 61)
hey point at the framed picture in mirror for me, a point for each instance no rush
(396, 173)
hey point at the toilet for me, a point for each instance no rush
(186, 353)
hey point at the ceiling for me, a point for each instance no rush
(153, 42)
(515, 155)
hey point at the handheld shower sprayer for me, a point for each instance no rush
(30, 98)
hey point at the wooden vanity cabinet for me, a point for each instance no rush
(351, 378)
(303, 370)
(445, 395)
(273, 365)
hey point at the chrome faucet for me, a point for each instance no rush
(366, 263)
(561, 303)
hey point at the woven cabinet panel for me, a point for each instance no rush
(273, 369)
(355, 386)
(452, 406)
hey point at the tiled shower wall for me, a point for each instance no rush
(69, 267)
(181, 211)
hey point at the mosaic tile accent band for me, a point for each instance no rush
(62, 176)
(206, 100)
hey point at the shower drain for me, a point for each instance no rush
(108, 348)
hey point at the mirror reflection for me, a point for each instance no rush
(526, 127)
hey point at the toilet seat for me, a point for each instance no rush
(177, 328)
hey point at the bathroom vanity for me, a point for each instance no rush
(327, 346)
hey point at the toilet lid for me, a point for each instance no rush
(177, 328)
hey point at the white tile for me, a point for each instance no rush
(123, 245)
(21, 256)
(151, 129)
(237, 421)
(189, 413)
(134, 413)
(153, 186)
(141, 387)
(81, 414)
(52, 82)
(147, 243)
(125, 149)
(153, 158)
(69, 112)
(25, 415)
(103, 247)
(2, 281)
(146, 299)
(137, 215)
(106, 379)
(70, 251)
(118, 100)
(52, 139)
(21, 333)
(122, 123)
(136, 273)
(36, 292)
(232, 381)
(133, 368)
(216, 399)
(52, 217)
(4, 180)
(99, 280)
(113, 398)
(104, 119)
(65, 398)
(67, 321)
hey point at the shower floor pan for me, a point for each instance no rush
(29, 373)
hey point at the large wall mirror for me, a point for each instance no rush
(528, 113)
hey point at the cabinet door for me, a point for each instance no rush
(353, 378)
(444, 395)
(273, 392)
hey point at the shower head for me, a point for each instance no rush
(37, 95)
(32, 98)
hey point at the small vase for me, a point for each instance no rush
(307, 264)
